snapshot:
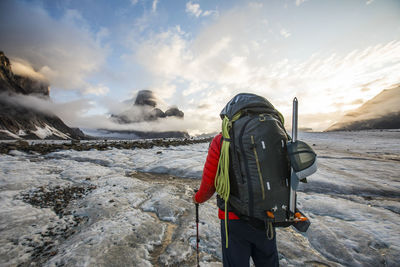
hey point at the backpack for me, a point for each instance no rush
(254, 171)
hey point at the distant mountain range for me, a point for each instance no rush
(380, 112)
(18, 121)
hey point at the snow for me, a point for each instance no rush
(47, 130)
(10, 134)
(139, 211)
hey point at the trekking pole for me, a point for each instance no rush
(292, 203)
(197, 232)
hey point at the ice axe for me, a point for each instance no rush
(197, 232)
(292, 198)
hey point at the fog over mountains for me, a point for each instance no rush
(381, 112)
(144, 109)
(20, 121)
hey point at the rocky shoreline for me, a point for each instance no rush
(45, 148)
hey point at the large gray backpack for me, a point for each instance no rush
(259, 174)
(259, 171)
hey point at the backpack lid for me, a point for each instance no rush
(248, 102)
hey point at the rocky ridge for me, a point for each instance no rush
(45, 148)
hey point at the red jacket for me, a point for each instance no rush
(207, 187)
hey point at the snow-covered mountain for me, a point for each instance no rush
(381, 112)
(19, 121)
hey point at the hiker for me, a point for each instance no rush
(246, 237)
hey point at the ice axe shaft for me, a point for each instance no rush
(295, 119)
(292, 203)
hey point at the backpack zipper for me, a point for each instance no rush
(258, 167)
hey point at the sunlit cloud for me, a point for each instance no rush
(299, 2)
(24, 68)
(285, 33)
(154, 5)
(320, 82)
(99, 89)
(63, 50)
(193, 9)
(256, 5)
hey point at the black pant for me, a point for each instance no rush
(244, 242)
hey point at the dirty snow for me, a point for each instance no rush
(140, 213)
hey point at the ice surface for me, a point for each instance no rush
(139, 210)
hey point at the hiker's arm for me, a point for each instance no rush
(207, 188)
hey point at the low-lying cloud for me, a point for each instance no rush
(75, 114)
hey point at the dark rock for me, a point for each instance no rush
(146, 97)
(174, 111)
(22, 144)
(157, 113)
(32, 86)
(56, 197)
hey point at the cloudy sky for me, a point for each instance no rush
(332, 54)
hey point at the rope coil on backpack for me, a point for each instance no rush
(222, 186)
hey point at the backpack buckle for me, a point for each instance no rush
(262, 117)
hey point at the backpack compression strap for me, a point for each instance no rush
(222, 186)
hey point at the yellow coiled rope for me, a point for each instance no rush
(222, 185)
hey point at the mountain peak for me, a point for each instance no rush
(20, 121)
(380, 112)
(146, 98)
(12, 83)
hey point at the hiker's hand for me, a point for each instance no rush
(194, 199)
